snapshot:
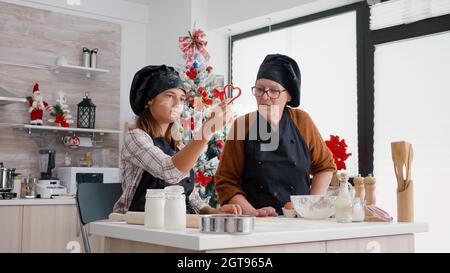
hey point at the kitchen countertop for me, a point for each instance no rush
(268, 231)
(37, 202)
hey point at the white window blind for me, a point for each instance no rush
(398, 12)
(412, 92)
(325, 50)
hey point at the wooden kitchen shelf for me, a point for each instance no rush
(7, 97)
(30, 128)
(79, 70)
(8, 100)
(74, 69)
(70, 130)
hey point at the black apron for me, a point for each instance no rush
(270, 177)
(148, 181)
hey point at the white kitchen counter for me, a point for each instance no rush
(37, 202)
(268, 232)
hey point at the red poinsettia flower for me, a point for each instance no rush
(338, 148)
(191, 73)
(201, 178)
(209, 69)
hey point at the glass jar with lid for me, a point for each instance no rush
(175, 208)
(154, 208)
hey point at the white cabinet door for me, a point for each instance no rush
(11, 228)
(396, 243)
(50, 228)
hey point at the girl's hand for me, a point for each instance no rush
(225, 209)
(221, 115)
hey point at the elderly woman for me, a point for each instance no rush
(260, 169)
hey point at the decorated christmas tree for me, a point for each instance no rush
(61, 112)
(202, 93)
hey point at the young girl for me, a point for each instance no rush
(151, 156)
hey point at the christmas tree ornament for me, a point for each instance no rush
(234, 97)
(197, 63)
(37, 106)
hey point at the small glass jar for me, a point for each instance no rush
(175, 208)
(358, 210)
(31, 188)
(344, 201)
(154, 208)
(17, 185)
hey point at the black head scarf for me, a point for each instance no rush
(285, 71)
(151, 81)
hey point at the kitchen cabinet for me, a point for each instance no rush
(49, 228)
(382, 244)
(43, 228)
(270, 235)
(11, 228)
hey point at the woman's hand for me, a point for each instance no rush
(265, 212)
(221, 115)
(225, 209)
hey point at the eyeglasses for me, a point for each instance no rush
(271, 93)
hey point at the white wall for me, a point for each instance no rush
(132, 17)
(168, 19)
(411, 103)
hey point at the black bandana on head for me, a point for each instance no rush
(285, 71)
(151, 81)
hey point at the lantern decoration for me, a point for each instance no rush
(86, 113)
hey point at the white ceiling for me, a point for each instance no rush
(146, 2)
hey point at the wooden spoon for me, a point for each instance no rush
(399, 156)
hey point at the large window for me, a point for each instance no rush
(412, 92)
(325, 50)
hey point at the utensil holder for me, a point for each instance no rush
(405, 203)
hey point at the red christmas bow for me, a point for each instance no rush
(339, 150)
(202, 179)
(188, 45)
(61, 120)
(220, 94)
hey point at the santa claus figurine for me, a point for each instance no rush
(37, 106)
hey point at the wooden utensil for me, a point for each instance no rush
(399, 156)
(408, 164)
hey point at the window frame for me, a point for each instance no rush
(366, 40)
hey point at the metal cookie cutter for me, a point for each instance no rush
(227, 223)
